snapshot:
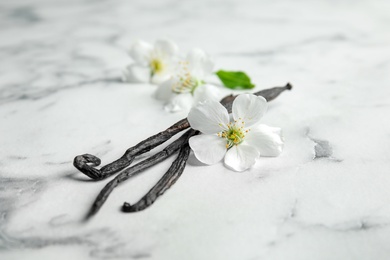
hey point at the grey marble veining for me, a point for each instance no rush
(61, 95)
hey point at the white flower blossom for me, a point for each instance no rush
(240, 141)
(187, 86)
(152, 63)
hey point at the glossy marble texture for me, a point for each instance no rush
(326, 197)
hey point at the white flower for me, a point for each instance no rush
(151, 63)
(240, 141)
(187, 86)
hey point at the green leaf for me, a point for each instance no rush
(235, 79)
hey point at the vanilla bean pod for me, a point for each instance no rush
(269, 95)
(86, 163)
(133, 170)
(169, 178)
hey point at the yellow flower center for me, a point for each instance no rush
(156, 65)
(234, 135)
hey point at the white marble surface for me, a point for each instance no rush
(60, 96)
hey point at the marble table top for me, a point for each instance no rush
(326, 197)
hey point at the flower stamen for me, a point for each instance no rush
(186, 83)
(234, 135)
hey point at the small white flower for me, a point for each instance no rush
(151, 63)
(240, 141)
(187, 86)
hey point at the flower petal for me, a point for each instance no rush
(209, 117)
(200, 64)
(158, 78)
(140, 51)
(136, 73)
(164, 90)
(268, 140)
(241, 157)
(208, 149)
(206, 92)
(165, 48)
(249, 108)
(179, 102)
